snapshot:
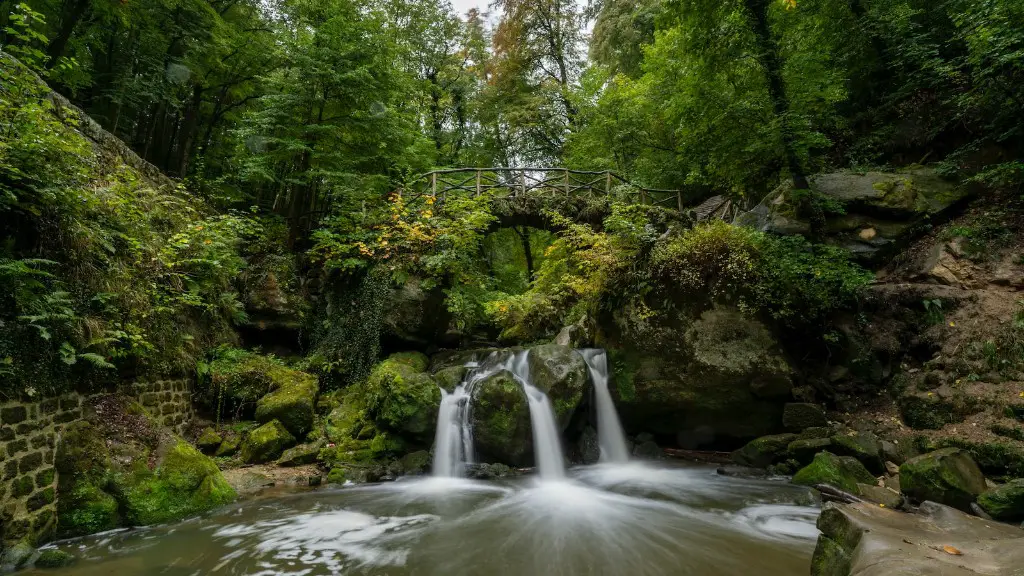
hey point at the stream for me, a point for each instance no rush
(625, 519)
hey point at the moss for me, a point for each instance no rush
(300, 455)
(86, 509)
(931, 412)
(54, 558)
(237, 379)
(1012, 432)
(398, 397)
(624, 368)
(336, 476)
(266, 443)
(999, 460)
(186, 483)
(829, 558)
(948, 476)
(1005, 502)
(416, 462)
(840, 471)
(450, 377)
(22, 486)
(763, 451)
(292, 401)
(863, 446)
(209, 441)
(415, 360)
(803, 450)
(227, 448)
(501, 420)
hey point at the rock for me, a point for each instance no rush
(415, 315)
(266, 443)
(763, 451)
(588, 447)
(647, 451)
(209, 441)
(54, 558)
(574, 336)
(724, 379)
(979, 511)
(742, 471)
(1006, 502)
(866, 540)
(798, 416)
(488, 471)
(891, 468)
(336, 476)
(229, 447)
(892, 482)
(948, 476)
(843, 472)
(561, 373)
(803, 451)
(880, 495)
(932, 411)
(300, 455)
(399, 396)
(501, 421)
(416, 463)
(450, 377)
(893, 452)
(292, 401)
(16, 556)
(863, 446)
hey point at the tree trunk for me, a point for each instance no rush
(769, 58)
(189, 128)
(5, 17)
(524, 237)
(70, 17)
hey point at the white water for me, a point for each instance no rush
(453, 440)
(547, 443)
(609, 429)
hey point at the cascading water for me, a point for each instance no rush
(453, 446)
(609, 430)
(547, 443)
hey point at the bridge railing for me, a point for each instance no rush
(515, 181)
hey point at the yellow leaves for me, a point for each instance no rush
(790, 4)
(951, 551)
(198, 228)
(207, 241)
(952, 324)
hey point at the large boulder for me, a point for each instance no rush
(798, 416)
(867, 540)
(118, 467)
(402, 397)
(561, 373)
(501, 421)
(763, 451)
(722, 381)
(292, 401)
(266, 443)
(842, 472)
(416, 315)
(1004, 502)
(863, 446)
(948, 476)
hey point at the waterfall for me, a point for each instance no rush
(453, 440)
(609, 429)
(547, 440)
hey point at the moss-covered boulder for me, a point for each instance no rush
(266, 443)
(416, 462)
(948, 476)
(721, 380)
(400, 396)
(229, 447)
(843, 472)
(118, 467)
(1005, 502)
(863, 446)
(292, 401)
(54, 558)
(235, 380)
(450, 377)
(300, 455)
(798, 416)
(184, 483)
(501, 421)
(209, 441)
(561, 373)
(803, 450)
(763, 451)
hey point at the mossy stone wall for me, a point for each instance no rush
(29, 432)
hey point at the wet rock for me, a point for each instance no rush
(561, 373)
(723, 379)
(588, 446)
(880, 495)
(866, 540)
(742, 471)
(415, 315)
(416, 463)
(266, 443)
(337, 476)
(209, 441)
(843, 472)
(400, 396)
(229, 447)
(763, 451)
(948, 476)
(450, 377)
(489, 471)
(16, 556)
(798, 416)
(54, 558)
(1005, 502)
(647, 451)
(863, 446)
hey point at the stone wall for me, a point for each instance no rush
(29, 433)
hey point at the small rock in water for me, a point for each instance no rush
(742, 471)
(54, 558)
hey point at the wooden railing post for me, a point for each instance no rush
(608, 183)
(567, 193)
(478, 172)
(433, 184)
(679, 199)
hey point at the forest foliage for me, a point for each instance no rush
(319, 112)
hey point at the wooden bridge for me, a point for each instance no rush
(514, 182)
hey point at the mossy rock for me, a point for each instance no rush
(763, 451)
(863, 446)
(237, 379)
(54, 558)
(948, 476)
(415, 360)
(292, 401)
(83, 508)
(337, 476)
(209, 441)
(843, 472)
(184, 483)
(804, 450)
(450, 377)
(799, 416)
(266, 443)
(84, 466)
(229, 447)
(562, 374)
(931, 411)
(501, 421)
(1005, 502)
(400, 397)
(300, 455)
(416, 462)
(1001, 460)
(829, 558)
